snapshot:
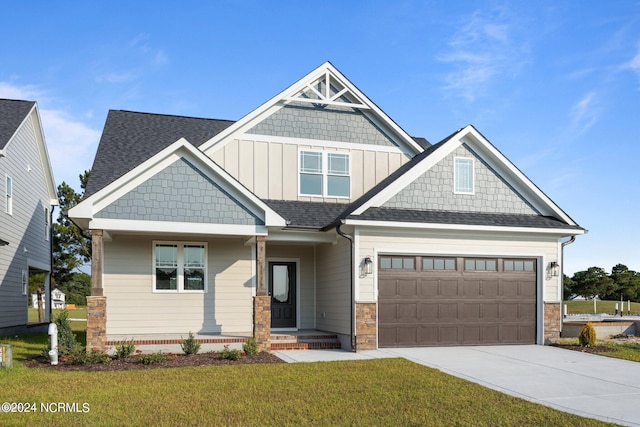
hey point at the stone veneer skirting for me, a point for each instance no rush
(366, 325)
(97, 323)
(552, 322)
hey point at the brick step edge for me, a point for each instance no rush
(305, 346)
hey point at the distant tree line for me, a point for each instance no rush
(622, 283)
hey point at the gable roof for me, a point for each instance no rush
(304, 91)
(12, 113)
(129, 138)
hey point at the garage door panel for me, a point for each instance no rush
(456, 307)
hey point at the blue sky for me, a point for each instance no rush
(555, 85)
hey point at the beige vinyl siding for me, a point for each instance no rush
(270, 169)
(24, 229)
(333, 287)
(306, 271)
(133, 307)
(459, 243)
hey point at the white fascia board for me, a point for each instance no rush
(179, 149)
(295, 236)
(280, 99)
(320, 142)
(463, 227)
(135, 226)
(409, 176)
(499, 161)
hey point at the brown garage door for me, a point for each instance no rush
(436, 301)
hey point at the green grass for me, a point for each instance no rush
(608, 307)
(77, 313)
(370, 392)
(626, 351)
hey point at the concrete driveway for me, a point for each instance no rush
(588, 385)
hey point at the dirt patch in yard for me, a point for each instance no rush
(175, 361)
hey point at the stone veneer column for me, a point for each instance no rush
(96, 303)
(96, 323)
(552, 322)
(262, 301)
(366, 326)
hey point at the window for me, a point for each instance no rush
(180, 267)
(397, 263)
(463, 177)
(438, 263)
(519, 265)
(480, 264)
(25, 282)
(9, 196)
(324, 174)
(46, 224)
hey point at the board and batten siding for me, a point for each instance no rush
(270, 169)
(375, 242)
(306, 272)
(24, 229)
(333, 287)
(134, 309)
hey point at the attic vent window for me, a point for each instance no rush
(463, 176)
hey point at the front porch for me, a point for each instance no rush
(170, 343)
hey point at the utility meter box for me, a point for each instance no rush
(5, 356)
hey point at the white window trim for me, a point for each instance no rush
(473, 175)
(325, 173)
(180, 261)
(8, 195)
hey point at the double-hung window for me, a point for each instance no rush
(463, 175)
(180, 267)
(324, 174)
(46, 224)
(9, 195)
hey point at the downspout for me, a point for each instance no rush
(352, 303)
(49, 305)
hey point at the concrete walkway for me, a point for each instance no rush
(584, 384)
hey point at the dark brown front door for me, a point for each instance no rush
(282, 288)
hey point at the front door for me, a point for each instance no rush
(282, 288)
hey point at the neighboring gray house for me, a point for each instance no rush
(316, 212)
(28, 195)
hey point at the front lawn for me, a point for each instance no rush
(370, 392)
(606, 307)
(619, 350)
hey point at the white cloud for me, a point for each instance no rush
(585, 113)
(70, 142)
(480, 52)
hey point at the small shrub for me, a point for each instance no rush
(251, 346)
(230, 354)
(125, 349)
(151, 358)
(67, 343)
(190, 345)
(587, 337)
(83, 357)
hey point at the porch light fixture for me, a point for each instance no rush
(554, 268)
(368, 265)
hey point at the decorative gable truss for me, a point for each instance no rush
(324, 90)
(427, 184)
(177, 189)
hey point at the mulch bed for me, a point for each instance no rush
(594, 349)
(177, 361)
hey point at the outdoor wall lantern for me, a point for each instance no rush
(368, 265)
(554, 268)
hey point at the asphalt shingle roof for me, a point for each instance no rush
(129, 138)
(12, 113)
(462, 218)
(307, 214)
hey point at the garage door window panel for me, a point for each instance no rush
(439, 264)
(480, 264)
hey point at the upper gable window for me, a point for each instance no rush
(9, 195)
(324, 174)
(463, 176)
